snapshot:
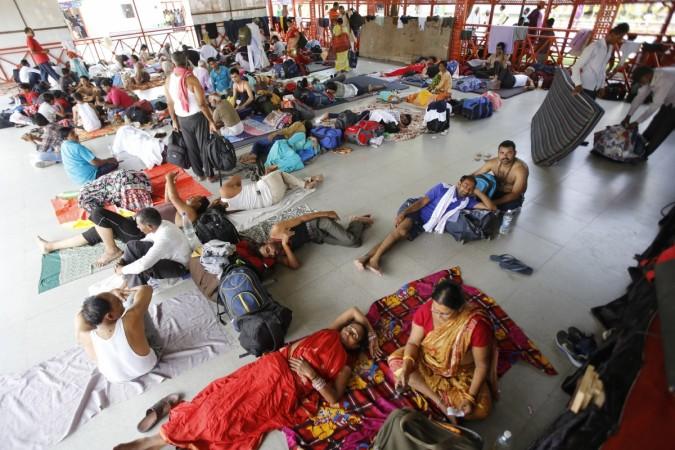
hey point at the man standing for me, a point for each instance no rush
(40, 56)
(115, 337)
(81, 165)
(189, 111)
(589, 71)
(536, 18)
(660, 83)
(511, 174)
(430, 213)
(334, 13)
(164, 252)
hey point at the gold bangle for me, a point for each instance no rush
(409, 358)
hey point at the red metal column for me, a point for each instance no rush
(605, 18)
(461, 9)
(666, 23)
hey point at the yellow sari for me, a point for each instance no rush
(439, 362)
(341, 58)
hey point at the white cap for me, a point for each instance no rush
(507, 434)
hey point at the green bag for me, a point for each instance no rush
(406, 429)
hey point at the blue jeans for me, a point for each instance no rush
(106, 168)
(49, 156)
(48, 71)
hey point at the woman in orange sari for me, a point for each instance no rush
(439, 89)
(450, 356)
(292, 37)
(235, 412)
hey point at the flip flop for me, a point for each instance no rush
(477, 156)
(510, 262)
(487, 156)
(157, 412)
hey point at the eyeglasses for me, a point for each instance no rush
(441, 314)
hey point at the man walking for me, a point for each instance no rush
(40, 56)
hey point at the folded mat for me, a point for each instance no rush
(254, 130)
(243, 220)
(67, 209)
(63, 266)
(562, 122)
(370, 397)
(318, 67)
(104, 131)
(46, 403)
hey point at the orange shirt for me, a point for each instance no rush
(333, 15)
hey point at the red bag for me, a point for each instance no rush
(341, 43)
(363, 132)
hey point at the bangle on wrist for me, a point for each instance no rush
(318, 383)
(409, 358)
(372, 336)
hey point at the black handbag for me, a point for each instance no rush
(176, 151)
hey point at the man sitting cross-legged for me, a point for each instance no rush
(116, 337)
(321, 227)
(442, 203)
(511, 174)
(164, 252)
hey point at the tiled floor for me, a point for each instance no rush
(583, 221)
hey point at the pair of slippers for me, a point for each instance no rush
(510, 262)
(158, 411)
(483, 156)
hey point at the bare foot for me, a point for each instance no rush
(366, 218)
(212, 179)
(108, 257)
(146, 443)
(360, 264)
(375, 268)
(202, 178)
(44, 245)
(314, 181)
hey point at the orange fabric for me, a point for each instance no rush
(649, 411)
(235, 412)
(69, 210)
(186, 185)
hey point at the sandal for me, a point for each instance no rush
(487, 156)
(509, 262)
(477, 156)
(157, 412)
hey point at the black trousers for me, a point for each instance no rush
(504, 75)
(195, 130)
(165, 268)
(659, 128)
(124, 228)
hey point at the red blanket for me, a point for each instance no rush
(69, 210)
(235, 412)
(354, 423)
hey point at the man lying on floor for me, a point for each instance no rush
(118, 337)
(268, 393)
(392, 119)
(430, 213)
(511, 174)
(321, 227)
(267, 191)
(337, 88)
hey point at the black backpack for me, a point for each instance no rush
(176, 152)
(265, 330)
(302, 41)
(138, 114)
(474, 224)
(214, 224)
(263, 105)
(291, 69)
(220, 154)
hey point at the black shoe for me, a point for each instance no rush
(584, 344)
(564, 343)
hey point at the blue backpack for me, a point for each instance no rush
(241, 293)
(452, 66)
(486, 183)
(328, 137)
(476, 108)
(469, 84)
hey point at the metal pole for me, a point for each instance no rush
(138, 18)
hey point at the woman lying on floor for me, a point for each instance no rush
(319, 227)
(236, 411)
(451, 355)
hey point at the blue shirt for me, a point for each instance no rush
(77, 162)
(435, 194)
(221, 79)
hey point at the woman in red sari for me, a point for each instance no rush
(235, 412)
(292, 37)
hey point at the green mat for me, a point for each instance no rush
(63, 266)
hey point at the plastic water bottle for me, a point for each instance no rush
(189, 231)
(507, 220)
(504, 442)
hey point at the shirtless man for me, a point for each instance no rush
(511, 174)
(242, 92)
(114, 336)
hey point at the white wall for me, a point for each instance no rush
(38, 14)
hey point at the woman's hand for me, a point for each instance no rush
(374, 347)
(302, 368)
(466, 406)
(402, 377)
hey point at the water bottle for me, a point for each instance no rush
(507, 219)
(503, 442)
(189, 231)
